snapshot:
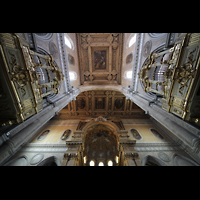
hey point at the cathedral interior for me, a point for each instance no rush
(99, 99)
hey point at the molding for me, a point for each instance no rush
(137, 60)
(155, 146)
(61, 61)
(45, 148)
(64, 60)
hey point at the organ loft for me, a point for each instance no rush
(99, 99)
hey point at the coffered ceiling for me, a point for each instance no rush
(100, 58)
(104, 103)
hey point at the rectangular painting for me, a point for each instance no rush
(100, 59)
(100, 103)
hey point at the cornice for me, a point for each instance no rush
(154, 146)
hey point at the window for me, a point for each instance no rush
(128, 74)
(72, 76)
(110, 163)
(84, 159)
(68, 42)
(132, 40)
(117, 159)
(91, 163)
(101, 164)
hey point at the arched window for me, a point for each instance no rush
(110, 163)
(84, 159)
(91, 163)
(44, 36)
(72, 76)
(117, 159)
(128, 74)
(101, 164)
(69, 42)
(132, 40)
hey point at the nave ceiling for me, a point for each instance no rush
(100, 58)
(104, 103)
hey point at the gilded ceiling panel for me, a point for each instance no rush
(100, 58)
(104, 103)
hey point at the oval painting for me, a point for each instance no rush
(66, 134)
(136, 134)
(147, 48)
(43, 135)
(157, 134)
(129, 58)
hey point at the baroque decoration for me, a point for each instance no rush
(174, 75)
(104, 103)
(19, 76)
(100, 58)
(100, 141)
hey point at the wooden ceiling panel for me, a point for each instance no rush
(104, 103)
(100, 58)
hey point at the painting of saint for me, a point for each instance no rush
(43, 135)
(100, 102)
(136, 134)
(81, 103)
(118, 103)
(100, 59)
(66, 134)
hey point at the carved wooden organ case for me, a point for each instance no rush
(179, 83)
(100, 58)
(21, 92)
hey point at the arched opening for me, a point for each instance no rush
(50, 161)
(100, 145)
(152, 161)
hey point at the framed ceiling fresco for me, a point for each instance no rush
(100, 58)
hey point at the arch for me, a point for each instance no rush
(68, 41)
(110, 124)
(157, 35)
(100, 142)
(152, 161)
(50, 161)
(19, 161)
(180, 160)
(131, 40)
(44, 36)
